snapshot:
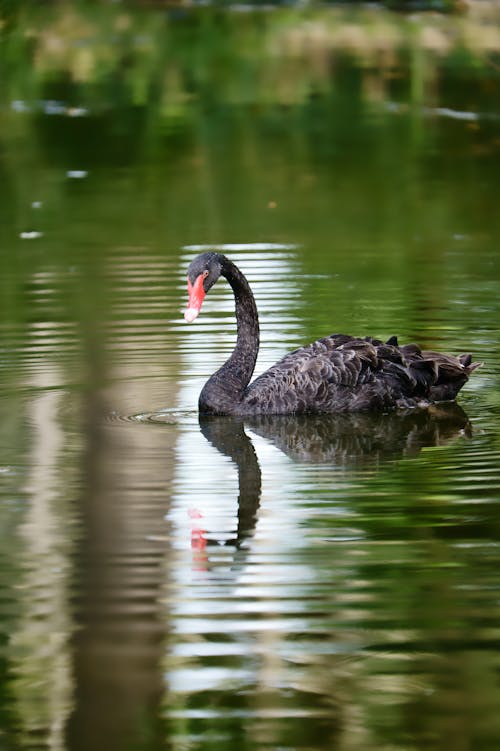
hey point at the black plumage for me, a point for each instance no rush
(337, 373)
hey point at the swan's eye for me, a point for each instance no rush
(205, 274)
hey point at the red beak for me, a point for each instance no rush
(196, 296)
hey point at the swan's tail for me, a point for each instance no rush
(452, 373)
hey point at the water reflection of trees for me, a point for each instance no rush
(174, 57)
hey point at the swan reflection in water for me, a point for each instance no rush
(350, 441)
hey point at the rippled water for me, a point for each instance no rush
(333, 581)
(281, 583)
(170, 582)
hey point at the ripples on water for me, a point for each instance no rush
(274, 583)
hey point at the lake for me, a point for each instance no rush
(175, 582)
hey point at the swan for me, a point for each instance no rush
(338, 373)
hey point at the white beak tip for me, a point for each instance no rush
(190, 314)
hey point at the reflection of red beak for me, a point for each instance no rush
(198, 541)
(196, 296)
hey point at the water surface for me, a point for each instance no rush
(168, 582)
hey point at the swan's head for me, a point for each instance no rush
(202, 274)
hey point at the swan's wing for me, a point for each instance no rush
(341, 373)
(324, 376)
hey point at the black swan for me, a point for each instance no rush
(338, 373)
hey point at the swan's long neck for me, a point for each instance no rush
(225, 389)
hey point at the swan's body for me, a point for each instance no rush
(338, 373)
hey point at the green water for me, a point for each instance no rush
(167, 583)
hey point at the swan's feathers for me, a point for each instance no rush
(357, 374)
